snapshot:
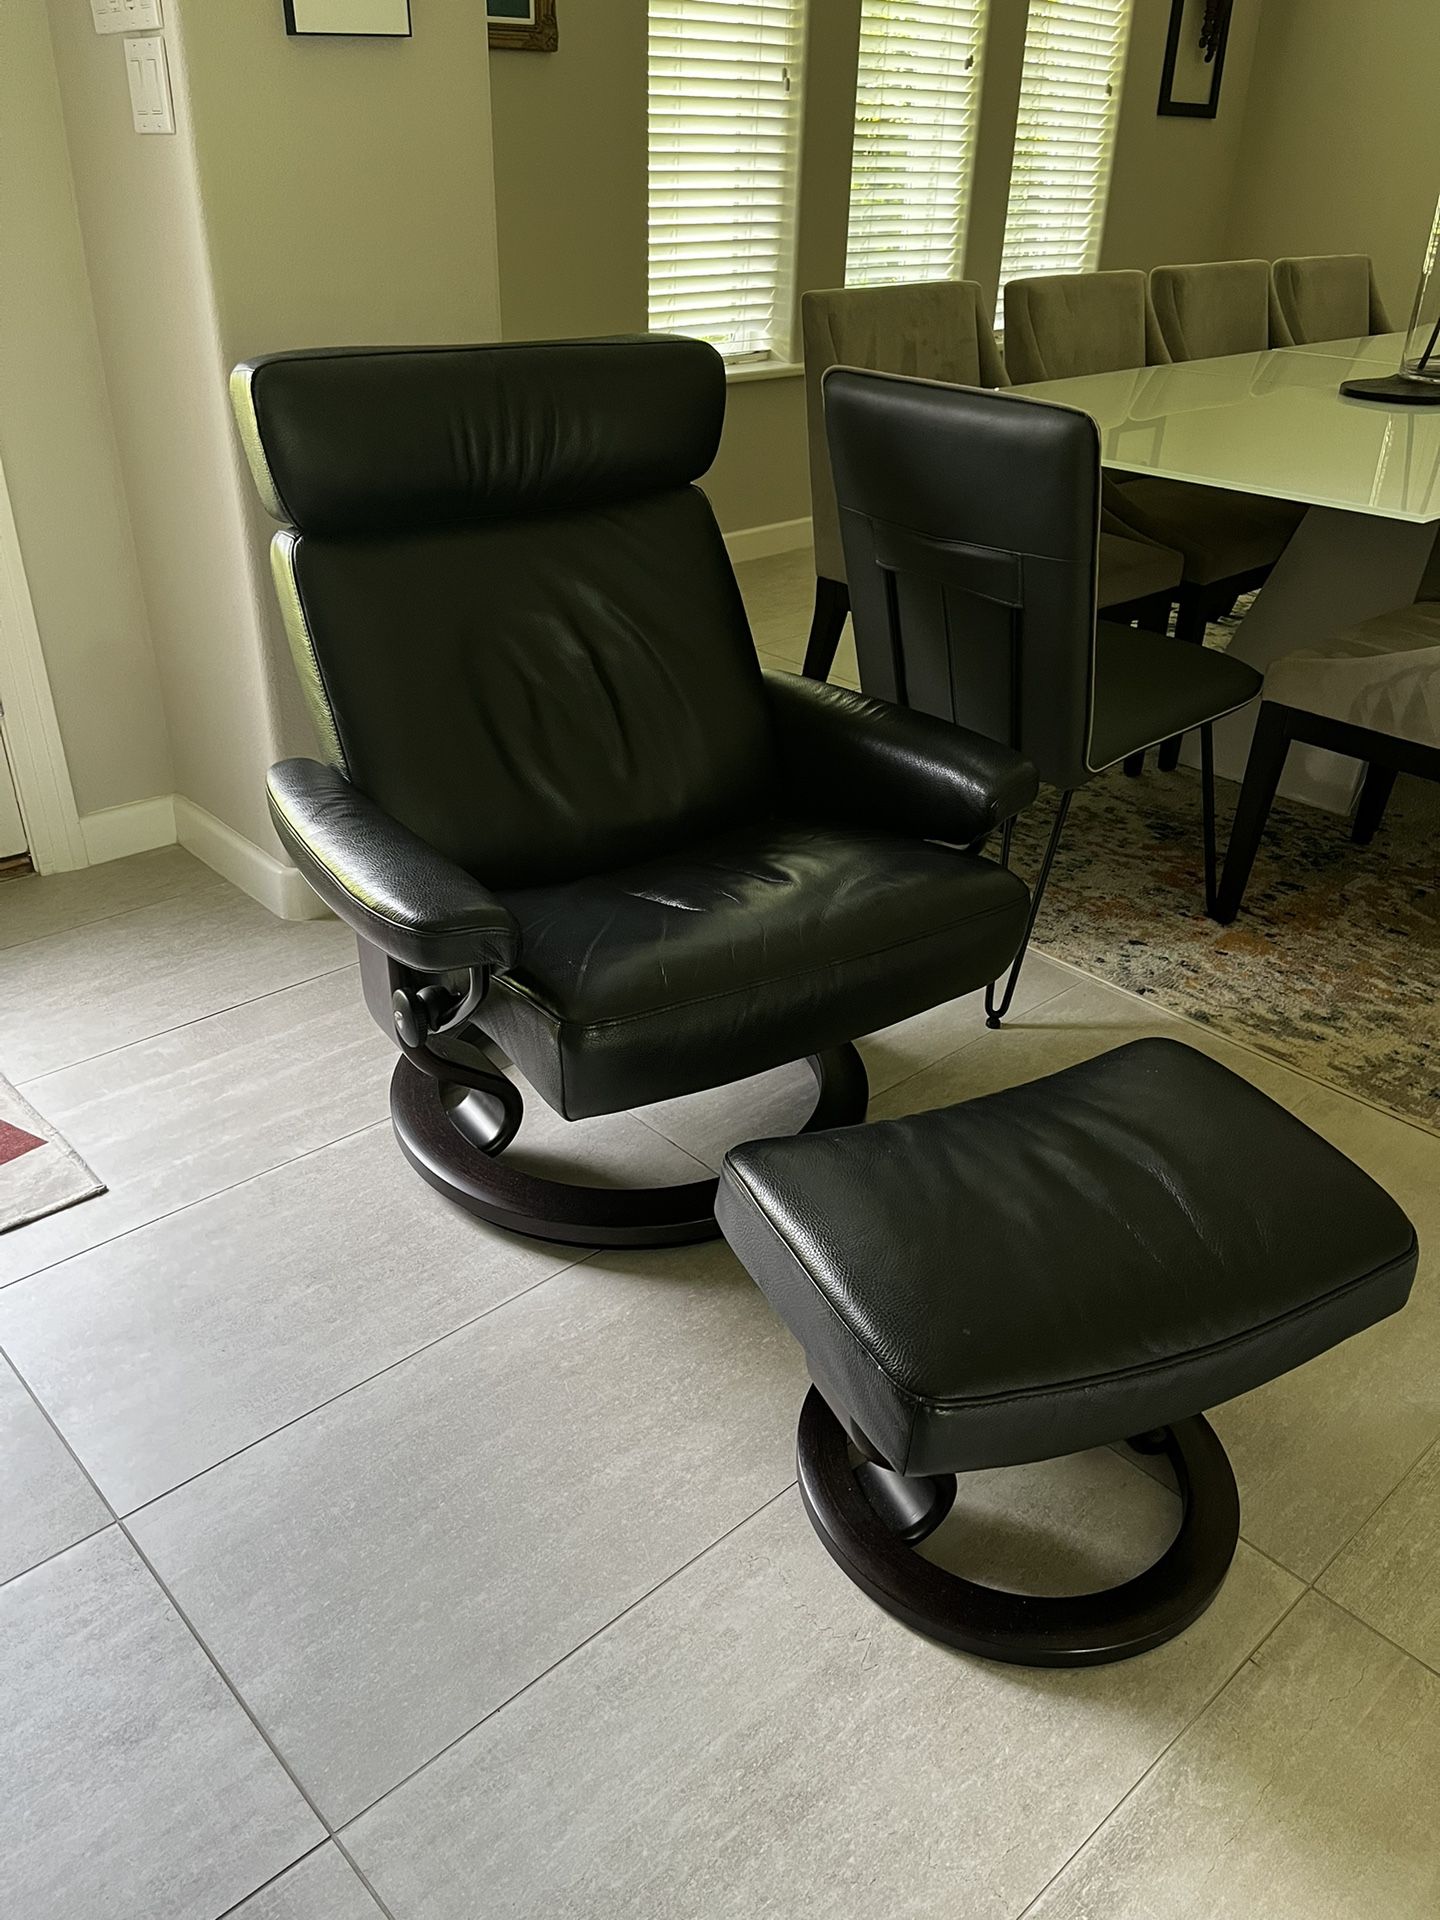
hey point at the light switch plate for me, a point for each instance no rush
(126, 16)
(149, 76)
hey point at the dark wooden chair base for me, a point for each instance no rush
(455, 1134)
(869, 1520)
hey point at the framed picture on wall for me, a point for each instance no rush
(1195, 58)
(525, 26)
(388, 18)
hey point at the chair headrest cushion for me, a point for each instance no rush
(350, 441)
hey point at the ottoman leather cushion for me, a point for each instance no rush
(1063, 1264)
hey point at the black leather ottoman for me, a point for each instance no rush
(1098, 1255)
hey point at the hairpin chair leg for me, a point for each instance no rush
(1190, 624)
(1374, 798)
(1207, 804)
(1268, 751)
(995, 1013)
(1154, 617)
(832, 605)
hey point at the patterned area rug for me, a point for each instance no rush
(1334, 963)
(39, 1172)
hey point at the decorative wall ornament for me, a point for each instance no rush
(523, 26)
(1195, 58)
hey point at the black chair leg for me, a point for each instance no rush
(1268, 751)
(1153, 617)
(1190, 624)
(832, 605)
(1374, 798)
(1207, 803)
(995, 1013)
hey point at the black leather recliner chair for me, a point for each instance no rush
(563, 809)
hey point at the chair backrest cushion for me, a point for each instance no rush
(515, 614)
(1058, 325)
(1329, 296)
(937, 329)
(970, 522)
(1214, 308)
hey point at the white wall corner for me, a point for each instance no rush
(114, 832)
(274, 883)
(758, 543)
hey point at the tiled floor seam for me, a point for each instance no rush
(187, 1206)
(200, 1019)
(160, 1033)
(1390, 1494)
(239, 1905)
(100, 920)
(230, 1685)
(569, 1654)
(344, 1393)
(1179, 1735)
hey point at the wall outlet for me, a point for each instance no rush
(146, 69)
(126, 16)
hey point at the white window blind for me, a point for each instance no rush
(1065, 135)
(724, 147)
(916, 107)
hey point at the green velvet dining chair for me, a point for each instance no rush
(1325, 296)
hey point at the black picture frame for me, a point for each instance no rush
(342, 33)
(1193, 10)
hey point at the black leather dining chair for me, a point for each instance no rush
(562, 808)
(970, 522)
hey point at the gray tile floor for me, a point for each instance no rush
(357, 1560)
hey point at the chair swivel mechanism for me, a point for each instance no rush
(576, 830)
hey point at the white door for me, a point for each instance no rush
(12, 827)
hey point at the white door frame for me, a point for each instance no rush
(32, 732)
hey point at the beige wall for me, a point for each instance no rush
(348, 198)
(1175, 177)
(1341, 149)
(58, 449)
(317, 191)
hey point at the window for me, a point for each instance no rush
(724, 145)
(1065, 135)
(916, 107)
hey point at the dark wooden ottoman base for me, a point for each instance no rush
(870, 1520)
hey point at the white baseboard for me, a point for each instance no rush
(758, 543)
(114, 832)
(274, 883)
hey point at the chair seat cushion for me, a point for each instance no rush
(1221, 534)
(1064, 1264)
(1135, 569)
(1383, 674)
(1148, 687)
(756, 948)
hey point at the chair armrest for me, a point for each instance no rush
(384, 881)
(874, 764)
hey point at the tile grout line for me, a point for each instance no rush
(188, 1206)
(199, 1020)
(161, 1033)
(175, 1607)
(1350, 1539)
(265, 1885)
(1204, 1707)
(579, 1647)
(343, 1393)
(103, 919)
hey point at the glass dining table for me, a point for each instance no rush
(1276, 423)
